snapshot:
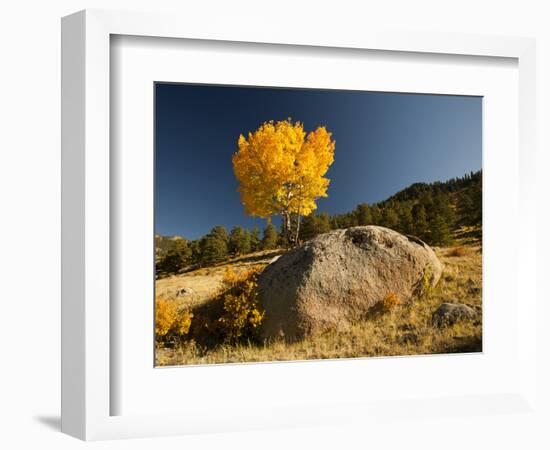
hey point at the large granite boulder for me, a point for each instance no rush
(338, 277)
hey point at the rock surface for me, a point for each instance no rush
(184, 291)
(337, 277)
(448, 314)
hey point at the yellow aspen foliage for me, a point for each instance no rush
(281, 169)
(166, 313)
(169, 320)
(242, 311)
(391, 301)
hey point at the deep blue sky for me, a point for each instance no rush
(384, 142)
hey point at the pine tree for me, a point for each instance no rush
(219, 232)
(315, 224)
(470, 205)
(270, 238)
(389, 218)
(443, 208)
(405, 220)
(363, 214)
(239, 241)
(439, 231)
(375, 215)
(176, 258)
(195, 247)
(255, 241)
(465, 207)
(212, 250)
(214, 246)
(420, 222)
(309, 227)
(477, 203)
(323, 223)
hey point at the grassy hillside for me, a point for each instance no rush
(192, 284)
(204, 283)
(405, 330)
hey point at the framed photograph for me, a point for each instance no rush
(320, 243)
(268, 229)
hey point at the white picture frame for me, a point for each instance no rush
(87, 386)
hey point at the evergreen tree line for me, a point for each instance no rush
(175, 254)
(430, 211)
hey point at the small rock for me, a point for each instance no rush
(450, 313)
(184, 291)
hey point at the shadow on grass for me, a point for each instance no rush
(467, 344)
(256, 258)
(234, 260)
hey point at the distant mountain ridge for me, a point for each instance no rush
(431, 211)
(163, 244)
(416, 190)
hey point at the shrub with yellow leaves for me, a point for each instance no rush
(425, 288)
(390, 302)
(242, 311)
(171, 322)
(183, 323)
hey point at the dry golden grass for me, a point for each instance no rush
(205, 283)
(457, 251)
(403, 330)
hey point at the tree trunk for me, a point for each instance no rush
(287, 227)
(297, 238)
